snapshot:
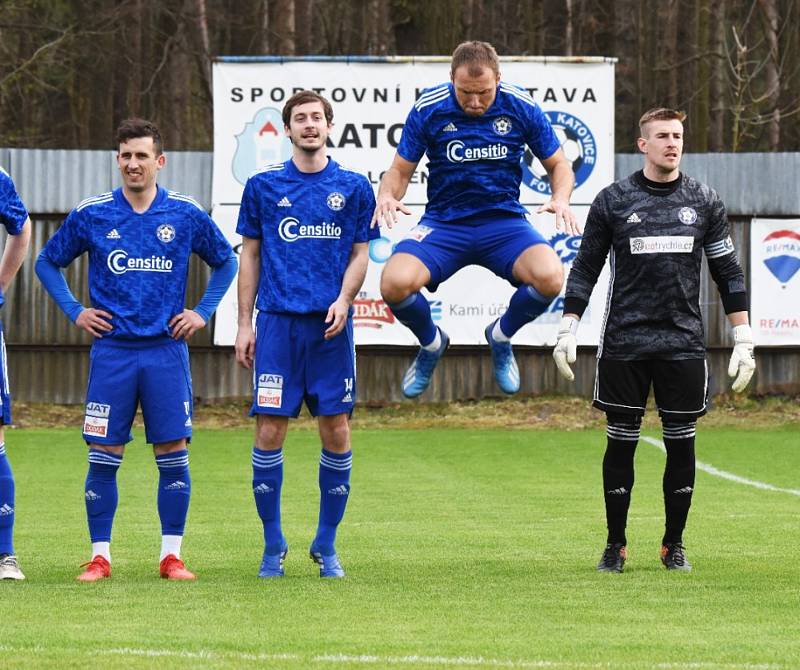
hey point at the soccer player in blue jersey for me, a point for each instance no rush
(306, 228)
(139, 239)
(14, 217)
(474, 131)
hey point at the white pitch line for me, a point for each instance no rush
(410, 660)
(716, 472)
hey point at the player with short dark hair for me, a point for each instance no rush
(14, 217)
(139, 239)
(305, 229)
(656, 225)
(474, 130)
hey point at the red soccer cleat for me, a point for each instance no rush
(172, 567)
(96, 569)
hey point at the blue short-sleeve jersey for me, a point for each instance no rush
(307, 224)
(474, 162)
(12, 212)
(138, 262)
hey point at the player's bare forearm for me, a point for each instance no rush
(247, 285)
(352, 282)
(14, 254)
(562, 181)
(355, 272)
(392, 188)
(738, 319)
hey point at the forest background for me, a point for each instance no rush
(70, 70)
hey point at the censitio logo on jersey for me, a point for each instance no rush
(578, 144)
(291, 230)
(119, 262)
(458, 152)
(336, 201)
(687, 216)
(502, 125)
(165, 233)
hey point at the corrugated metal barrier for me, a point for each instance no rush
(48, 356)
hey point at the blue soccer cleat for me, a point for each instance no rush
(506, 372)
(418, 376)
(329, 566)
(272, 564)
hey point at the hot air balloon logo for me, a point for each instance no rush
(782, 254)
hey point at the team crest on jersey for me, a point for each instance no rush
(165, 233)
(502, 125)
(335, 201)
(687, 216)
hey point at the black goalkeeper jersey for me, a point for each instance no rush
(655, 235)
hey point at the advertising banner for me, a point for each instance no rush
(775, 281)
(371, 99)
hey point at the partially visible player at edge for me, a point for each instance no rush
(14, 217)
(305, 228)
(656, 225)
(139, 239)
(474, 131)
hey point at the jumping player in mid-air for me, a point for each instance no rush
(139, 239)
(474, 131)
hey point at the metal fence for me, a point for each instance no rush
(48, 356)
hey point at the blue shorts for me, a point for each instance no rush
(125, 373)
(5, 394)
(295, 363)
(493, 241)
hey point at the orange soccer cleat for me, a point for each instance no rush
(96, 569)
(172, 567)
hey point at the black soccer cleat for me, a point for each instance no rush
(613, 558)
(673, 556)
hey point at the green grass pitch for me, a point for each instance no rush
(464, 549)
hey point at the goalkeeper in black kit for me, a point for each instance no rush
(655, 225)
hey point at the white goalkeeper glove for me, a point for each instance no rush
(566, 346)
(743, 363)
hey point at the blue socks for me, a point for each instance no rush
(101, 493)
(415, 313)
(6, 504)
(174, 491)
(334, 489)
(525, 305)
(267, 482)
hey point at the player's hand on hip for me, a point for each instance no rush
(566, 348)
(337, 317)
(186, 324)
(743, 362)
(94, 321)
(386, 211)
(245, 346)
(565, 219)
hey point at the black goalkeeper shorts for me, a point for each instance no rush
(680, 387)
